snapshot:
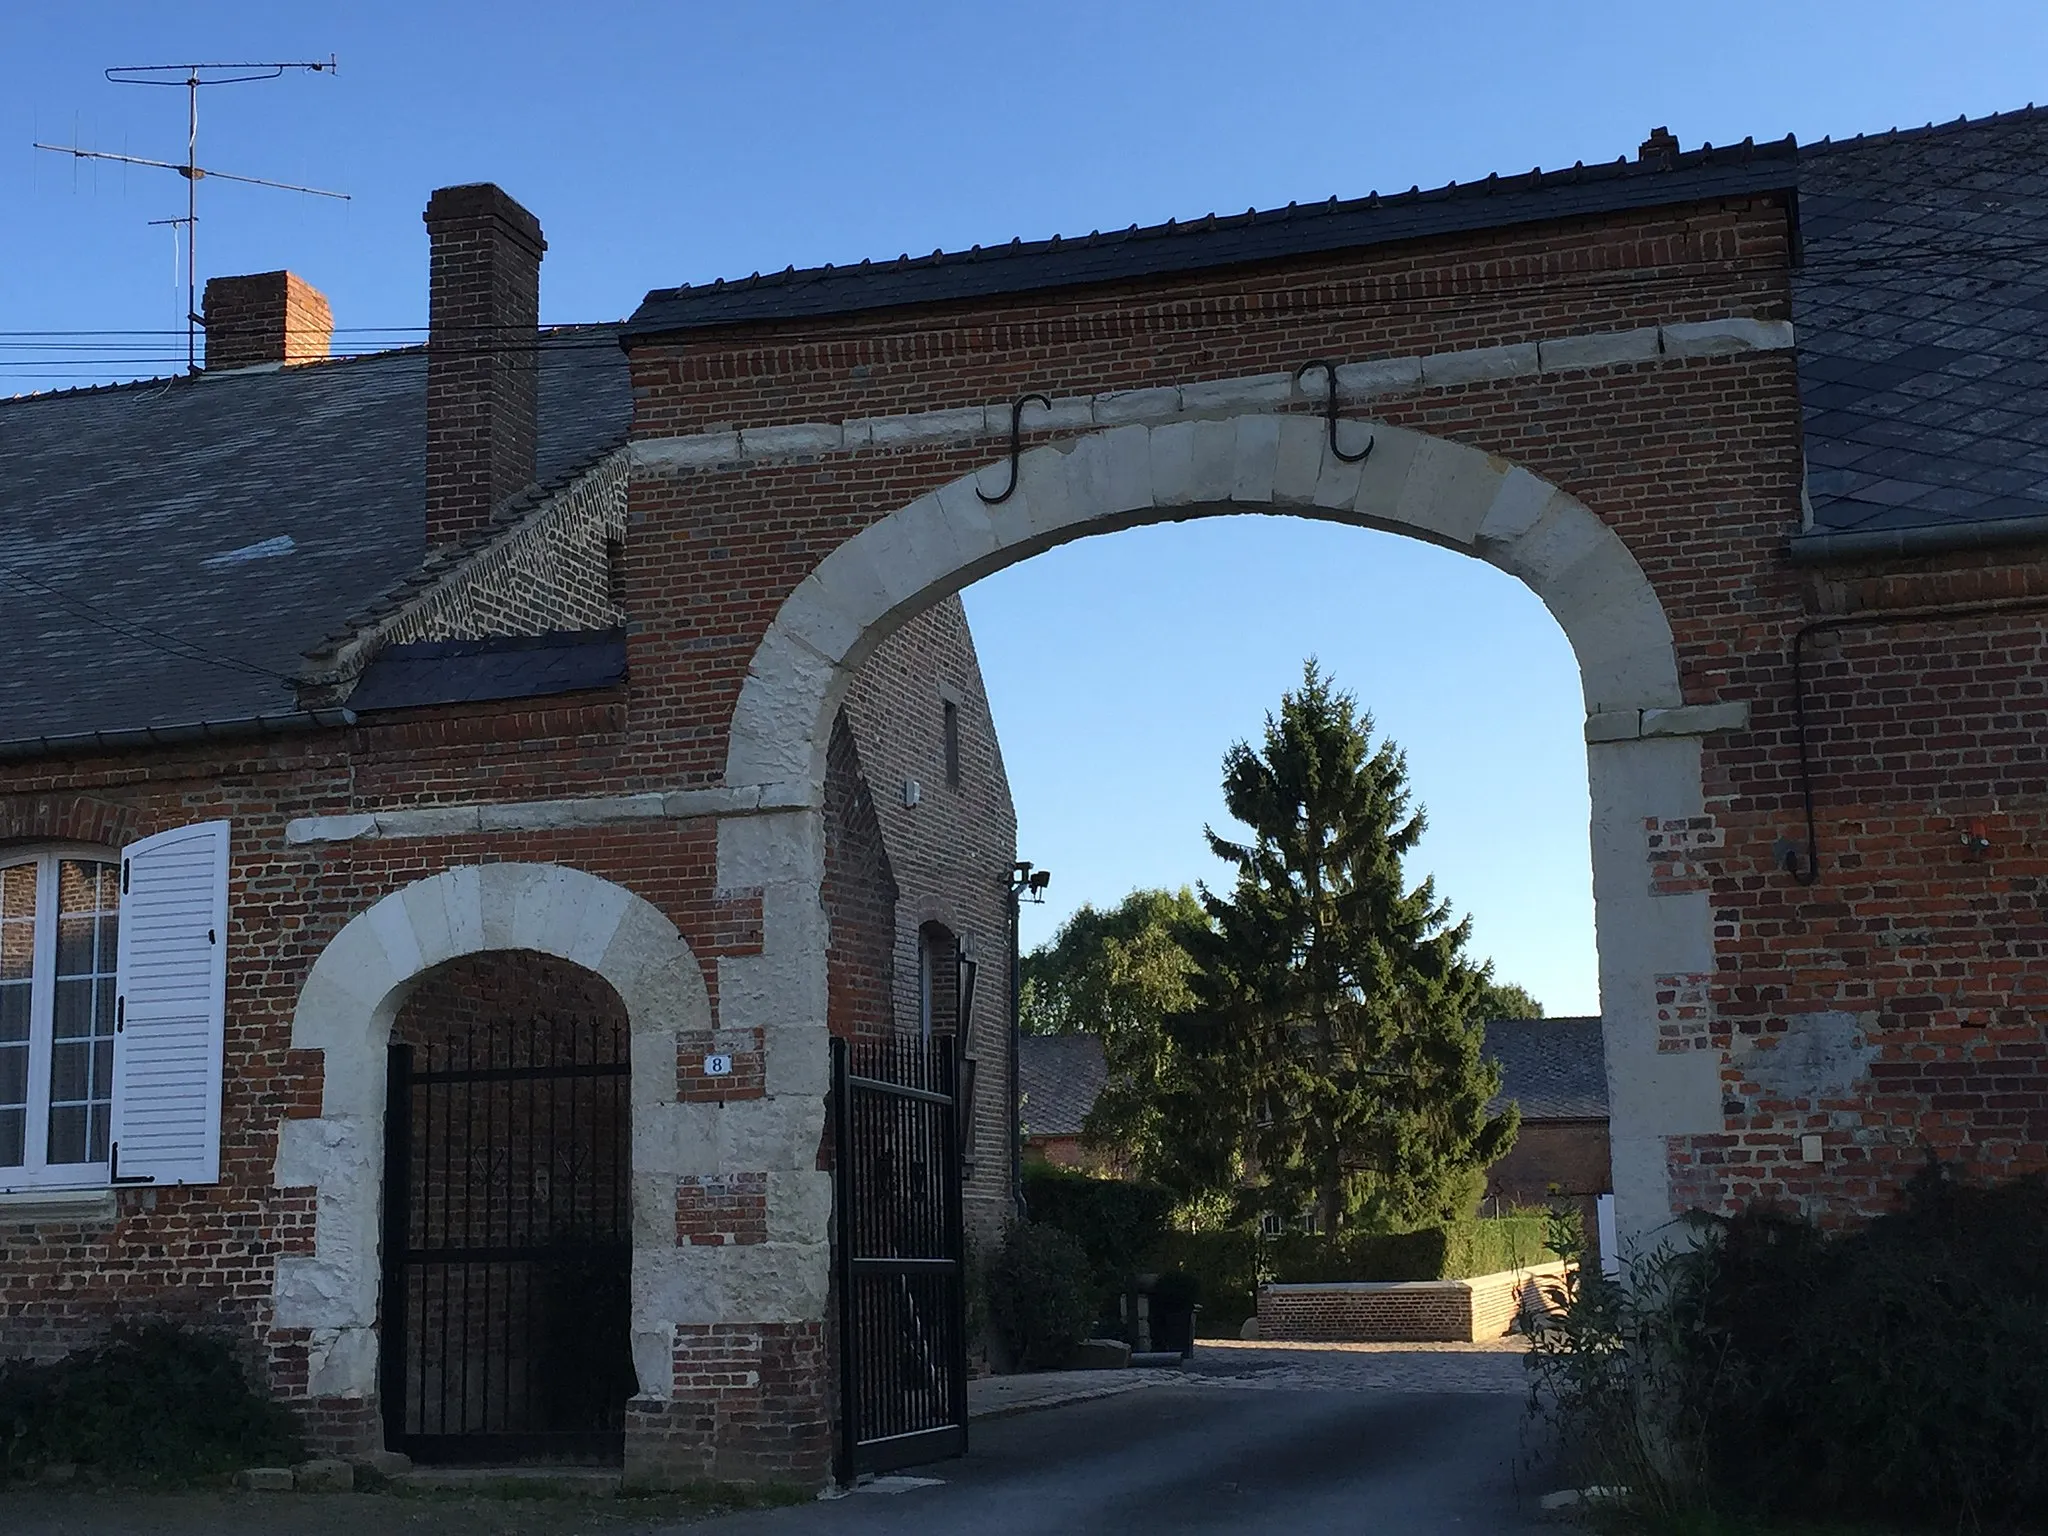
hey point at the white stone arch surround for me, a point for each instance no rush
(345, 1011)
(1644, 758)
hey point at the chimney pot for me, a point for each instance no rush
(483, 329)
(264, 317)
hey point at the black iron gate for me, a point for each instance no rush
(507, 1246)
(898, 1255)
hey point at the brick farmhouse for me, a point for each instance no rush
(1758, 424)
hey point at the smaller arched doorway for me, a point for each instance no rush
(507, 1294)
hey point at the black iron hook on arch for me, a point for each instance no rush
(1016, 446)
(1330, 410)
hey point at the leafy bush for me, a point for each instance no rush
(153, 1402)
(1897, 1371)
(1225, 1270)
(1118, 1222)
(1040, 1294)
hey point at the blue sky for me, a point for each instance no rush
(672, 143)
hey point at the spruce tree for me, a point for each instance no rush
(1332, 1017)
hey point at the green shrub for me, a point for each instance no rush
(1041, 1294)
(1118, 1222)
(1897, 1371)
(1225, 1269)
(154, 1402)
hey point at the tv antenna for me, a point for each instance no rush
(195, 77)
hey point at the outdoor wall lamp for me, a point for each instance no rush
(1976, 838)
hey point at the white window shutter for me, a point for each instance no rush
(172, 1008)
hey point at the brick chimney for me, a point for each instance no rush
(483, 325)
(1660, 148)
(265, 317)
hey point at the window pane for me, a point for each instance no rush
(72, 1010)
(13, 1076)
(82, 1011)
(67, 1133)
(13, 1130)
(17, 950)
(13, 1011)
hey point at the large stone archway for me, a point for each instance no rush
(345, 1012)
(1655, 937)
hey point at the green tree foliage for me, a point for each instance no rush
(1502, 1000)
(1330, 1045)
(1122, 973)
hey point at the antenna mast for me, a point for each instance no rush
(193, 77)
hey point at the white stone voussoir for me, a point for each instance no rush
(345, 1010)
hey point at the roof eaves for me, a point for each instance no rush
(171, 735)
(1218, 242)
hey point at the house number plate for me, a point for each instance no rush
(717, 1066)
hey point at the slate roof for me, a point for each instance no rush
(1922, 311)
(511, 667)
(1555, 1069)
(1221, 241)
(168, 550)
(1059, 1077)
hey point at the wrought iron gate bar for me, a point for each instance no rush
(506, 1331)
(521, 1074)
(898, 1249)
(899, 1091)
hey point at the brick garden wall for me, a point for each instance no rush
(1401, 1312)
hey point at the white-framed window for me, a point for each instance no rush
(59, 928)
(112, 1010)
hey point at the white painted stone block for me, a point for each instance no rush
(1601, 349)
(1520, 501)
(800, 1206)
(391, 925)
(1614, 725)
(1258, 392)
(1448, 491)
(1714, 338)
(1122, 407)
(654, 1359)
(1044, 502)
(599, 908)
(328, 829)
(1478, 365)
(794, 440)
(1382, 376)
(1255, 458)
(927, 427)
(1111, 471)
(1697, 719)
(1298, 471)
(429, 821)
(969, 523)
(1173, 464)
(1212, 457)
(701, 450)
(1383, 473)
(341, 1362)
(1066, 413)
(819, 617)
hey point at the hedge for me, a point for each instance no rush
(1117, 1222)
(1227, 1263)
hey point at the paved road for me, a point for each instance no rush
(1267, 1439)
(1183, 1459)
(1256, 1438)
